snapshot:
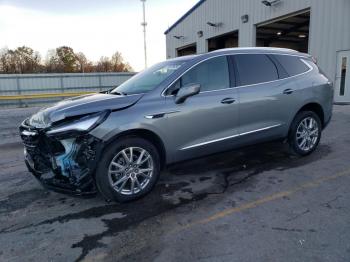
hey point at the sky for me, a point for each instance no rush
(96, 28)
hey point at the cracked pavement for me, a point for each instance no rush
(253, 204)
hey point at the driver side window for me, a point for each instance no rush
(212, 74)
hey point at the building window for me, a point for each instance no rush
(343, 76)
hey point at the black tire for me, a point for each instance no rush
(295, 147)
(103, 181)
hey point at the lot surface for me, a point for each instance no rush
(253, 204)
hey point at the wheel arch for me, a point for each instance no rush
(316, 108)
(147, 135)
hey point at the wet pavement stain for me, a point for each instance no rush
(227, 171)
(136, 213)
(253, 161)
(21, 200)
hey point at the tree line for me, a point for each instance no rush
(24, 60)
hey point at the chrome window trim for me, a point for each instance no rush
(302, 58)
(229, 137)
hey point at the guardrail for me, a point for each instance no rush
(37, 89)
(22, 97)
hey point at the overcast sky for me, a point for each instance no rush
(96, 28)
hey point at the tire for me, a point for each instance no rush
(122, 180)
(311, 134)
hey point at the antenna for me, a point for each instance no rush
(144, 25)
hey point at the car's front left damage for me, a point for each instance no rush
(59, 149)
(60, 158)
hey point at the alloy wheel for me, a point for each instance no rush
(131, 170)
(307, 134)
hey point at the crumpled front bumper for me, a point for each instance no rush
(65, 164)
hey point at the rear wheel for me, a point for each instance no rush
(305, 133)
(128, 170)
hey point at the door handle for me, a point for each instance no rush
(228, 101)
(288, 91)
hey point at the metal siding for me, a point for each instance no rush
(26, 84)
(329, 25)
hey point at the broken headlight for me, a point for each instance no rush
(81, 125)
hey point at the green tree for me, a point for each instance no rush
(68, 59)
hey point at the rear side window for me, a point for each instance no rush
(212, 74)
(255, 69)
(292, 64)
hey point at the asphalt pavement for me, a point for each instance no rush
(252, 204)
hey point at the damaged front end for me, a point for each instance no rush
(64, 157)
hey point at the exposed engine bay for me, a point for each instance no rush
(61, 163)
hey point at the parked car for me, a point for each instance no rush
(117, 143)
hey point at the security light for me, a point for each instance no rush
(245, 18)
(279, 33)
(302, 36)
(179, 37)
(214, 24)
(270, 3)
(200, 34)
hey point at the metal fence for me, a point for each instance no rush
(36, 89)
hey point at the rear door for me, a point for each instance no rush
(266, 97)
(207, 122)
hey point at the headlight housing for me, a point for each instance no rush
(78, 126)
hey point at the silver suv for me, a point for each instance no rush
(118, 142)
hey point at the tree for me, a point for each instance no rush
(4, 66)
(52, 63)
(20, 61)
(118, 64)
(9, 62)
(82, 61)
(60, 60)
(67, 58)
(104, 65)
(27, 60)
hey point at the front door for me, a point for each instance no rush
(207, 122)
(342, 81)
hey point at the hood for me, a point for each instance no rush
(81, 105)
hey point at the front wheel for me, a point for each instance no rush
(128, 170)
(305, 133)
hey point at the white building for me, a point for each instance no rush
(319, 27)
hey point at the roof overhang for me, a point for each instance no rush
(184, 16)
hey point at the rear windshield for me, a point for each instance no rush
(292, 64)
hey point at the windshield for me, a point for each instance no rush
(148, 79)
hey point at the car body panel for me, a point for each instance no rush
(199, 121)
(83, 105)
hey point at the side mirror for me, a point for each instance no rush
(187, 91)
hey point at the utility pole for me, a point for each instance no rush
(144, 25)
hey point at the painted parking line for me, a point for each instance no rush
(261, 201)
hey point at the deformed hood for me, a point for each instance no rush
(81, 105)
